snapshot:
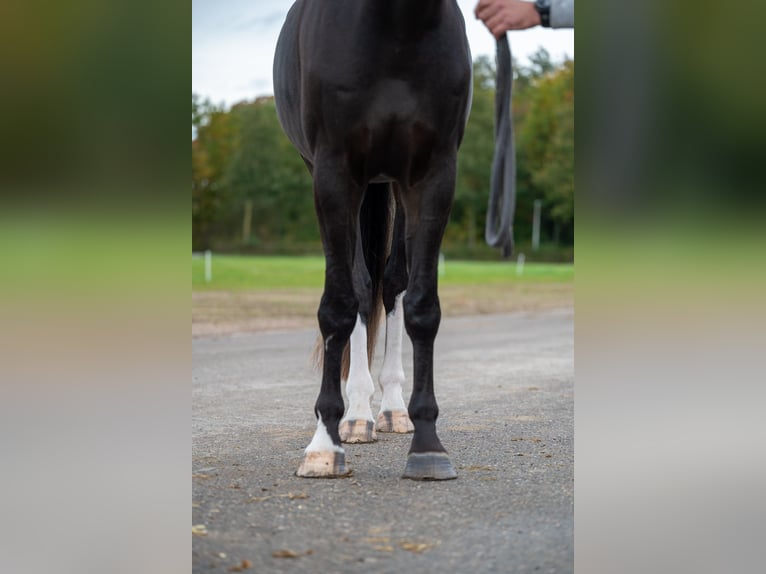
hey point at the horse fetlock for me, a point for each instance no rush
(393, 399)
(425, 438)
(359, 390)
(424, 413)
(328, 410)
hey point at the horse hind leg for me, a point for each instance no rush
(357, 425)
(393, 417)
(372, 241)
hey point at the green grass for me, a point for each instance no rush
(90, 258)
(239, 273)
(494, 272)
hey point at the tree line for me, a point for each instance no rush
(251, 191)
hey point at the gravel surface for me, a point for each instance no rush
(504, 385)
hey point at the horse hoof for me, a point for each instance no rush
(357, 431)
(395, 421)
(328, 464)
(429, 466)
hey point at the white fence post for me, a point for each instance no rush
(520, 264)
(208, 266)
(538, 205)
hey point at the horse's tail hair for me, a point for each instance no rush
(376, 222)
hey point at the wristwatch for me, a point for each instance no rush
(543, 8)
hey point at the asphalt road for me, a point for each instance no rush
(504, 385)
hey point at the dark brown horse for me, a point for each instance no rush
(375, 95)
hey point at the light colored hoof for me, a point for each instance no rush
(395, 421)
(357, 431)
(429, 466)
(327, 464)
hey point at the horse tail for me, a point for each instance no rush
(376, 222)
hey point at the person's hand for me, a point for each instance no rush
(499, 16)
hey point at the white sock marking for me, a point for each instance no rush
(359, 387)
(322, 441)
(392, 374)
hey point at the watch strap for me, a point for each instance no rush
(543, 8)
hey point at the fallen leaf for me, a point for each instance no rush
(199, 530)
(290, 495)
(377, 539)
(417, 547)
(383, 548)
(284, 554)
(244, 565)
(200, 475)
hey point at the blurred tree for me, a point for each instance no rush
(540, 63)
(546, 147)
(475, 161)
(266, 170)
(211, 150)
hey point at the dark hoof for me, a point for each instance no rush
(328, 464)
(357, 431)
(429, 466)
(395, 421)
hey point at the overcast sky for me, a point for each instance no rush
(233, 45)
